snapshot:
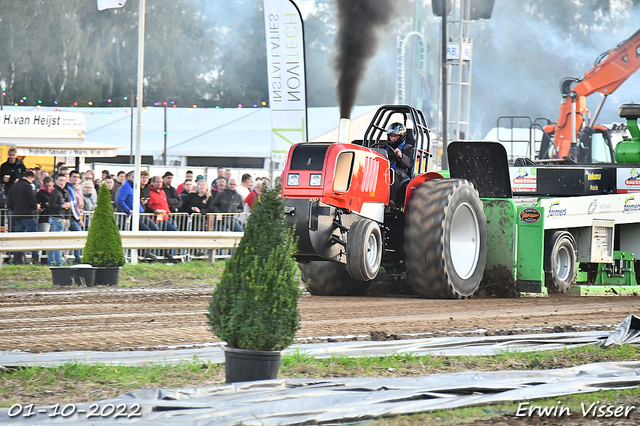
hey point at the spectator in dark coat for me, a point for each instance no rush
(11, 170)
(37, 183)
(196, 202)
(228, 201)
(214, 183)
(145, 187)
(59, 213)
(173, 198)
(187, 188)
(42, 197)
(121, 178)
(22, 201)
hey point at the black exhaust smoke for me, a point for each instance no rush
(359, 22)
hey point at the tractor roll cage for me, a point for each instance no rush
(417, 132)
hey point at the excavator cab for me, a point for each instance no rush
(595, 145)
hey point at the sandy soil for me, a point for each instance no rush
(115, 318)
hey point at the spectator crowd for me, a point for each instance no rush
(38, 202)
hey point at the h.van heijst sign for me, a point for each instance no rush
(44, 125)
(49, 133)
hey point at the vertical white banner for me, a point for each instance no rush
(286, 69)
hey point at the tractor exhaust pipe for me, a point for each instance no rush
(343, 130)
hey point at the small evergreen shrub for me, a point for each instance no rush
(255, 305)
(104, 245)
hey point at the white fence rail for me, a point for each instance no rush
(198, 236)
(30, 241)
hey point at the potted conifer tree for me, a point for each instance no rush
(103, 249)
(254, 308)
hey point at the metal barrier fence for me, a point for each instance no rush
(177, 222)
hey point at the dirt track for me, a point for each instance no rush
(134, 318)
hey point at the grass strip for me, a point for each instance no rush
(139, 275)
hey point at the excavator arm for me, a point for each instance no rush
(612, 68)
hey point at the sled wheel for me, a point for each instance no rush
(364, 250)
(445, 238)
(560, 254)
(330, 279)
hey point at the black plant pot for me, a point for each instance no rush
(245, 365)
(107, 275)
(83, 275)
(61, 275)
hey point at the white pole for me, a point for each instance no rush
(135, 213)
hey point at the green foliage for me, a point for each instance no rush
(67, 50)
(255, 305)
(104, 245)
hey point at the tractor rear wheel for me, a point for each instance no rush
(560, 252)
(445, 239)
(330, 279)
(364, 250)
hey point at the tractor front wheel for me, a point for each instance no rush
(364, 250)
(445, 239)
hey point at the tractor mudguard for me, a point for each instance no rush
(484, 164)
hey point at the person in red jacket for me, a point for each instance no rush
(158, 203)
(253, 196)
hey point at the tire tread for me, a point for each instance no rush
(424, 239)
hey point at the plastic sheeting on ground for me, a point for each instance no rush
(313, 401)
(306, 401)
(627, 332)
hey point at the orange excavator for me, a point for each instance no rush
(574, 130)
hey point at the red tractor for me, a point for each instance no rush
(432, 237)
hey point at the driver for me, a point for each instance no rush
(400, 155)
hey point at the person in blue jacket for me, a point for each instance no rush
(124, 203)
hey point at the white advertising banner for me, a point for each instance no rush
(65, 151)
(286, 73)
(45, 125)
(574, 212)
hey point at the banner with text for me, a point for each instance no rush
(286, 69)
(46, 125)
